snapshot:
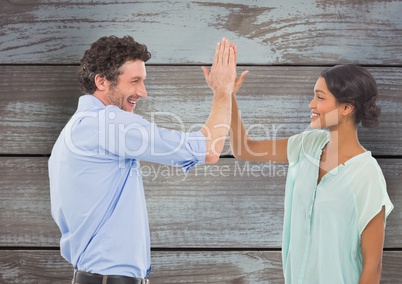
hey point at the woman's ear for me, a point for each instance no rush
(347, 109)
(100, 82)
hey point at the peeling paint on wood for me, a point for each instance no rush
(184, 32)
(221, 223)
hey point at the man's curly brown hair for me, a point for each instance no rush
(105, 57)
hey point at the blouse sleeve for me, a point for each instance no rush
(371, 194)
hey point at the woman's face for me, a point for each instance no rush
(325, 110)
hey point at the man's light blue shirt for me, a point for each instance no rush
(96, 188)
(324, 221)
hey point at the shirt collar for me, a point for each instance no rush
(89, 101)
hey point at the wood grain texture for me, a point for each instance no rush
(37, 101)
(232, 204)
(168, 267)
(220, 223)
(185, 32)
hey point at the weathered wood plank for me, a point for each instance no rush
(36, 102)
(244, 200)
(391, 267)
(39, 266)
(180, 32)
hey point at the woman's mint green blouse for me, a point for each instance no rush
(323, 223)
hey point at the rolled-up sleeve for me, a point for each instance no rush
(130, 136)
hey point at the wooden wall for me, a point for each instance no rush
(220, 223)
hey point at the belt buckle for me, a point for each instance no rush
(144, 281)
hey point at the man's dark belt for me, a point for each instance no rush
(83, 277)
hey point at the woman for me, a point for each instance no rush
(336, 201)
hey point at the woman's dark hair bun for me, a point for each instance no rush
(371, 114)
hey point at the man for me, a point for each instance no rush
(97, 195)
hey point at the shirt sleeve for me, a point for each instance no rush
(130, 136)
(370, 194)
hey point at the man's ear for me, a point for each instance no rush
(100, 82)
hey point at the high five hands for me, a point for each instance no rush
(222, 77)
